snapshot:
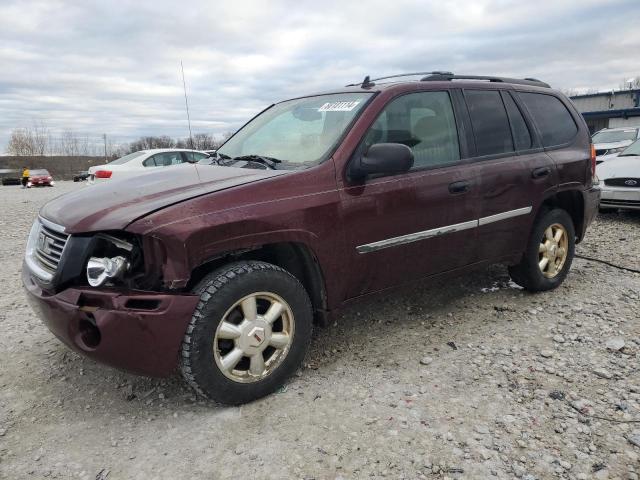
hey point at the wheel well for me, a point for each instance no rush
(572, 202)
(296, 258)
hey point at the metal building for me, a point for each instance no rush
(612, 109)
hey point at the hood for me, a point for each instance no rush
(114, 204)
(625, 167)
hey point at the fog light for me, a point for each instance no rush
(99, 270)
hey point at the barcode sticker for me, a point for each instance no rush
(339, 106)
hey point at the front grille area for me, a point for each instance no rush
(49, 246)
(623, 182)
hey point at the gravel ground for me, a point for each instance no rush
(472, 379)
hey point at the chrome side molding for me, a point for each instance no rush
(504, 215)
(434, 232)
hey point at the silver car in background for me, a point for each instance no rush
(620, 180)
(609, 142)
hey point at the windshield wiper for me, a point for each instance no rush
(268, 161)
(629, 155)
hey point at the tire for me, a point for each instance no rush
(212, 337)
(529, 272)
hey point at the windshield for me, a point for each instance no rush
(38, 172)
(297, 132)
(611, 136)
(127, 158)
(632, 150)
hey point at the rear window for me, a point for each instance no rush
(490, 123)
(554, 122)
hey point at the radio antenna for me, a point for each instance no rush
(186, 103)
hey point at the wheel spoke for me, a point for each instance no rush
(279, 340)
(274, 312)
(549, 233)
(256, 366)
(561, 252)
(543, 263)
(231, 359)
(558, 235)
(228, 331)
(249, 308)
(542, 248)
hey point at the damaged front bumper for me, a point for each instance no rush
(139, 332)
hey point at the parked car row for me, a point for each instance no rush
(37, 178)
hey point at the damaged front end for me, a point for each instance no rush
(102, 295)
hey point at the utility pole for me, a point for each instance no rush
(186, 103)
(104, 136)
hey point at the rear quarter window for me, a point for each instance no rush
(554, 122)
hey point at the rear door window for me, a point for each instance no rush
(521, 135)
(554, 122)
(195, 156)
(490, 123)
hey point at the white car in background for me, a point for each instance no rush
(609, 142)
(143, 161)
(620, 180)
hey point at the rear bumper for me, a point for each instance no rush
(591, 199)
(139, 332)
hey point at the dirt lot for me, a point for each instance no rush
(471, 379)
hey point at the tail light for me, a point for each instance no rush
(107, 173)
(593, 160)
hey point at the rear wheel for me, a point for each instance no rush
(249, 333)
(550, 250)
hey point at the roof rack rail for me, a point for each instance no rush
(438, 76)
(368, 82)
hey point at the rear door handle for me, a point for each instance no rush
(540, 172)
(459, 187)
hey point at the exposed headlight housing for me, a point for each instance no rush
(101, 270)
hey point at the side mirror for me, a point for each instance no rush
(382, 158)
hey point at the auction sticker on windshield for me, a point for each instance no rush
(339, 106)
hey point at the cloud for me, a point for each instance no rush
(114, 67)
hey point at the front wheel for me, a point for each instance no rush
(550, 250)
(249, 333)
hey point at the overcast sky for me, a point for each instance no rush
(114, 67)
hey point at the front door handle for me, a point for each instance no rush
(540, 172)
(459, 187)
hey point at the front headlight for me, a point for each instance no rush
(111, 259)
(611, 151)
(100, 270)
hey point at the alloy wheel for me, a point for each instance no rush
(553, 250)
(254, 337)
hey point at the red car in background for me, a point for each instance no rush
(40, 178)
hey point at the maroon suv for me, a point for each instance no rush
(220, 269)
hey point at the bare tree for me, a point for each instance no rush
(69, 144)
(19, 143)
(32, 141)
(204, 141)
